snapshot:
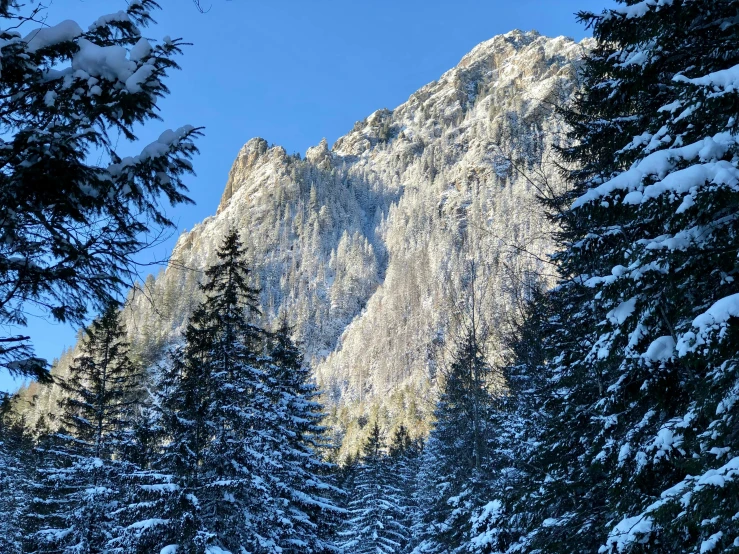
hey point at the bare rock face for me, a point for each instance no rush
(372, 248)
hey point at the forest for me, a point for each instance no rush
(583, 401)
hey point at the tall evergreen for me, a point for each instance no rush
(404, 456)
(16, 462)
(639, 452)
(456, 451)
(84, 473)
(374, 524)
(301, 479)
(213, 493)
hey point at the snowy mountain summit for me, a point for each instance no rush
(371, 247)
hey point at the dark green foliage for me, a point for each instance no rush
(83, 472)
(456, 451)
(375, 520)
(70, 227)
(634, 366)
(238, 468)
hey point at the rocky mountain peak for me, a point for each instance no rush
(365, 246)
(319, 155)
(254, 153)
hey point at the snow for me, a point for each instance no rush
(665, 441)
(51, 36)
(628, 531)
(682, 181)
(147, 523)
(726, 79)
(618, 315)
(711, 543)
(50, 98)
(661, 163)
(140, 76)
(107, 62)
(640, 9)
(661, 349)
(170, 549)
(104, 20)
(141, 50)
(718, 313)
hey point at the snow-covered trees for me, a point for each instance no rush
(375, 522)
(637, 375)
(239, 468)
(83, 474)
(456, 450)
(300, 480)
(75, 211)
(15, 481)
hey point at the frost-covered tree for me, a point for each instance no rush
(83, 477)
(300, 480)
(374, 523)
(75, 210)
(507, 512)
(15, 480)
(455, 451)
(639, 453)
(404, 460)
(214, 407)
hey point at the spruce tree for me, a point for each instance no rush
(455, 452)
(301, 480)
(374, 523)
(403, 460)
(214, 491)
(83, 476)
(16, 473)
(75, 210)
(639, 452)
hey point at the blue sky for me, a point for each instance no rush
(294, 72)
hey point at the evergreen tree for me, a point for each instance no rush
(301, 480)
(456, 451)
(641, 359)
(374, 524)
(403, 460)
(216, 416)
(514, 476)
(15, 477)
(83, 476)
(71, 226)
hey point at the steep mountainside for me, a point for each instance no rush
(371, 248)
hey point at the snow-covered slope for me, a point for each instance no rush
(368, 246)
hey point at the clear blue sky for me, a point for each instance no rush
(294, 72)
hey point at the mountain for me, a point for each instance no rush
(372, 248)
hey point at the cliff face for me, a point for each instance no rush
(372, 248)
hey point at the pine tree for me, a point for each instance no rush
(374, 523)
(15, 478)
(514, 474)
(301, 481)
(456, 451)
(84, 471)
(404, 455)
(215, 491)
(641, 361)
(71, 226)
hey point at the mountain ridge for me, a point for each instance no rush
(364, 246)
